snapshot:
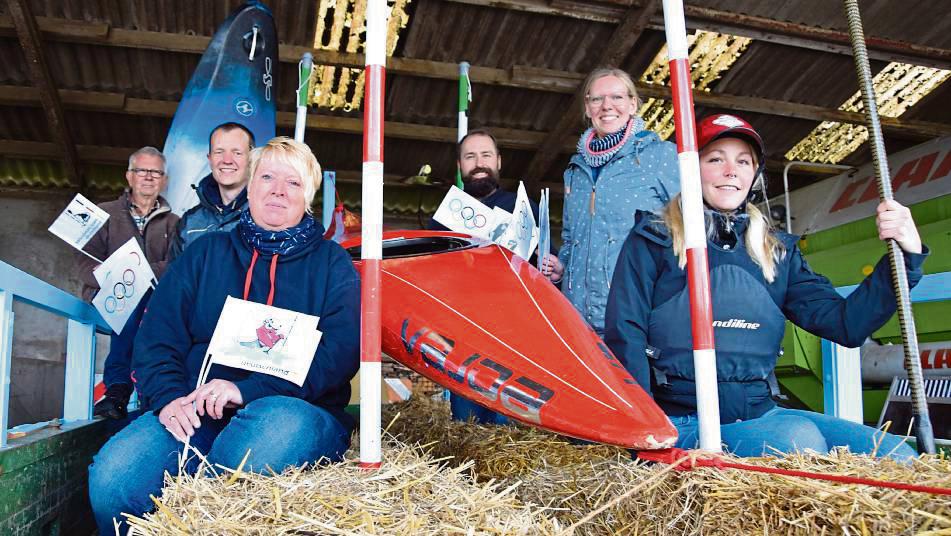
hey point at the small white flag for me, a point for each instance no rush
(79, 222)
(266, 339)
(521, 236)
(123, 279)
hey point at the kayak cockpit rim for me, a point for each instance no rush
(403, 247)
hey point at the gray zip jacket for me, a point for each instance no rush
(599, 214)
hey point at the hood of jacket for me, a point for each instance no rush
(210, 196)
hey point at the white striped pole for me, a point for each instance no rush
(698, 274)
(372, 236)
(303, 89)
(465, 96)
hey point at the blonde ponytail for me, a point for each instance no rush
(761, 243)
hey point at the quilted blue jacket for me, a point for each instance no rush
(598, 214)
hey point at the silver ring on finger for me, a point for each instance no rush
(173, 418)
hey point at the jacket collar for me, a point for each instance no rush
(163, 206)
(210, 196)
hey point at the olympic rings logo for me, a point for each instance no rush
(467, 215)
(120, 291)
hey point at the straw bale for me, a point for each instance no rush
(411, 494)
(466, 478)
(573, 481)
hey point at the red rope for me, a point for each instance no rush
(270, 295)
(247, 278)
(682, 461)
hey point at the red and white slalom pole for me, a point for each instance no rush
(372, 236)
(695, 237)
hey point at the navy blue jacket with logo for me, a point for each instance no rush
(648, 307)
(317, 280)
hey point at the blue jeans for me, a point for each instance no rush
(791, 430)
(463, 409)
(279, 431)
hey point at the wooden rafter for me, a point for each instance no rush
(32, 46)
(529, 140)
(624, 37)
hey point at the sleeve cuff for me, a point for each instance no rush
(913, 261)
(251, 390)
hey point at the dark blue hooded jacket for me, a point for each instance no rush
(319, 279)
(208, 216)
(648, 306)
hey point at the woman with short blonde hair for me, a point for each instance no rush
(275, 256)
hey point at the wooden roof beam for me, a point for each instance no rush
(508, 138)
(760, 28)
(32, 46)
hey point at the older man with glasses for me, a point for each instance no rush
(140, 213)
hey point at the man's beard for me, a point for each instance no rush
(483, 186)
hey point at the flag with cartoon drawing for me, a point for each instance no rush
(266, 339)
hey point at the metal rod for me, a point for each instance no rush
(695, 237)
(919, 405)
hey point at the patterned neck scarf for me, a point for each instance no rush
(277, 242)
(598, 151)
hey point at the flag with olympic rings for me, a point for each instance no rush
(123, 279)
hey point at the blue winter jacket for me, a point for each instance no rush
(317, 280)
(599, 214)
(648, 308)
(208, 216)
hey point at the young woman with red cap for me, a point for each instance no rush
(759, 279)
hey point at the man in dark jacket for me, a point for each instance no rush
(480, 164)
(221, 194)
(140, 212)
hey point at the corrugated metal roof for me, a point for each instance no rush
(447, 31)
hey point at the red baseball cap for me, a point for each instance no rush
(714, 127)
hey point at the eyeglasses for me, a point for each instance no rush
(155, 173)
(616, 100)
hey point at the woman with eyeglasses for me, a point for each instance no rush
(275, 256)
(619, 168)
(758, 280)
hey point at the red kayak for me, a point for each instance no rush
(486, 325)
